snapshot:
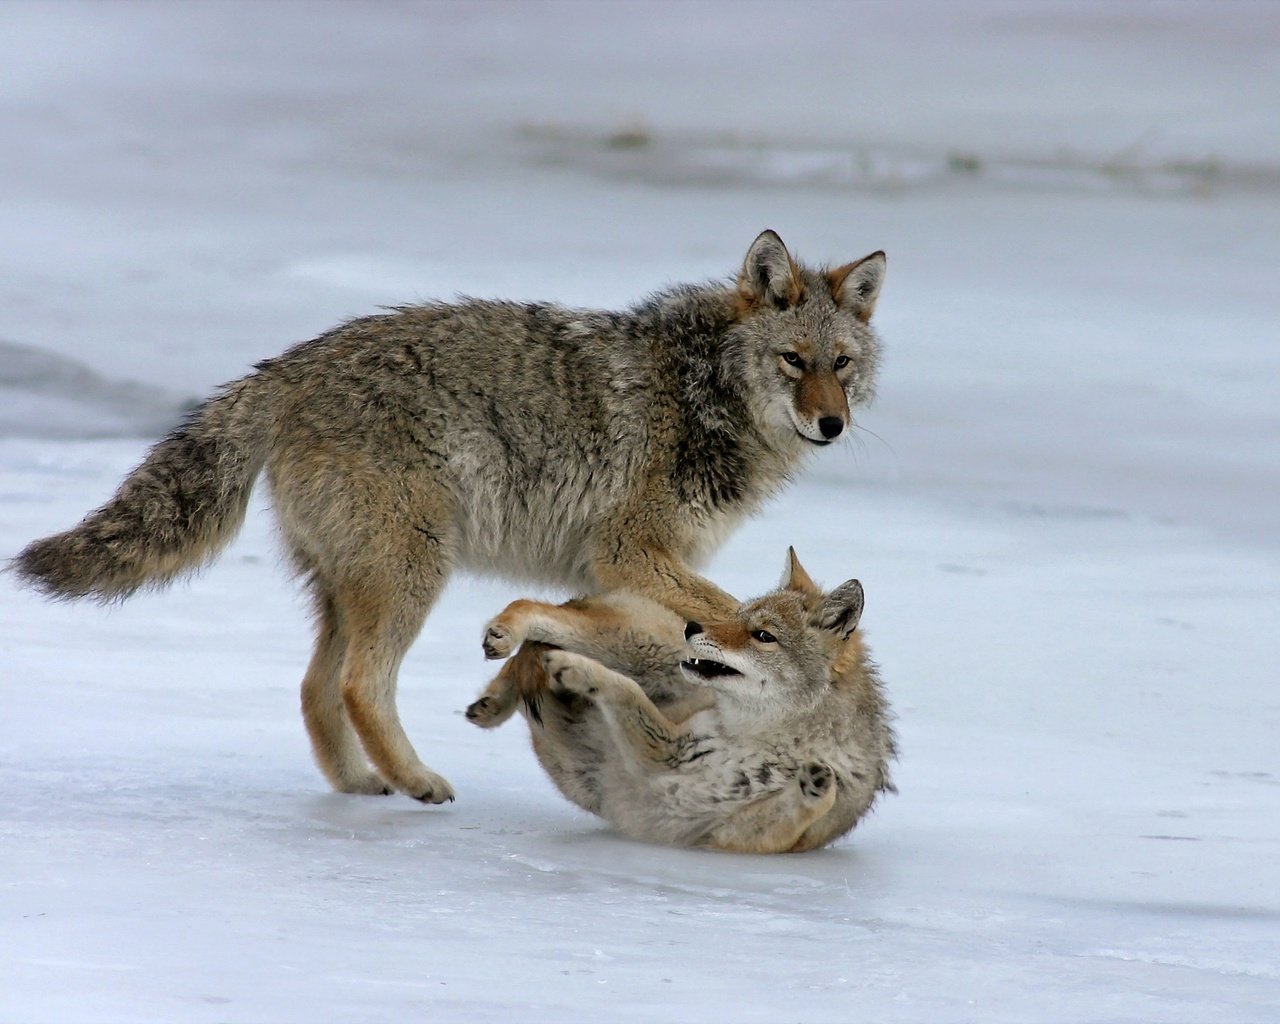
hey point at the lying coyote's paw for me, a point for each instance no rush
(499, 639)
(570, 674)
(486, 712)
(816, 780)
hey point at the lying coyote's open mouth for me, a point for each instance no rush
(706, 669)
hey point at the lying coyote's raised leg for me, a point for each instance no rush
(629, 634)
(626, 632)
(639, 728)
(522, 676)
(764, 732)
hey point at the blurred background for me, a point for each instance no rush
(1080, 203)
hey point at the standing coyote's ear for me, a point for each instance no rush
(856, 285)
(769, 275)
(795, 578)
(842, 609)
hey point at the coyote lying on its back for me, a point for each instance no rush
(579, 448)
(773, 737)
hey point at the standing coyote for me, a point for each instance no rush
(578, 448)
(774, 738)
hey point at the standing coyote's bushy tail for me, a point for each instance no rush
(172, 514)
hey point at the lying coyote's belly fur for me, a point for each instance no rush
(767, 732)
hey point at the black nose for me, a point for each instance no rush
(692, 629)
(830, 426)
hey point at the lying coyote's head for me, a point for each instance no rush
(783, 652)
(806, 338)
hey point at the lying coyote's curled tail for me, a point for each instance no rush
(171, 515)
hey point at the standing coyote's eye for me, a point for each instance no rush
(842, 362)
(764, 636)
(793, 358)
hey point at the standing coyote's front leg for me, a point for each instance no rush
(630, 557)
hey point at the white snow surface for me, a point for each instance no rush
(1065, 504)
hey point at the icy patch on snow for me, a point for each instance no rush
(686, 159)
(1086, 819)
(43, 395)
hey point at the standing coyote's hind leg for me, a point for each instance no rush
(384, 616)
(334, 742)
(387, 553)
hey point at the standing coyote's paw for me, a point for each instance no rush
(570, 674)
(429, 788)
(816, 780)
(362, 782)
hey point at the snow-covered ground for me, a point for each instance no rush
(1065, 509)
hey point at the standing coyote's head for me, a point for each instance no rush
(783, 652)
(807, 340)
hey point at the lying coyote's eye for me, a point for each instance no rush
(842, 362)
(764, 637)
(793, 359)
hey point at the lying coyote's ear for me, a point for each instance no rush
(795, 578)
(769, 275)
(842, 608)
(856, 285)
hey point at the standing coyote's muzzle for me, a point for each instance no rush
(579, 448)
